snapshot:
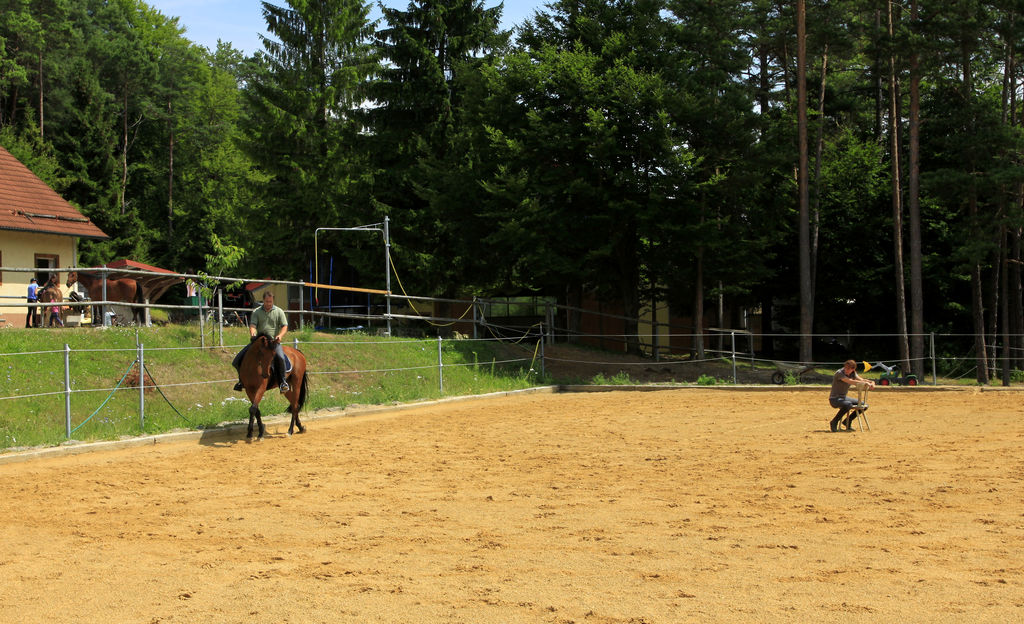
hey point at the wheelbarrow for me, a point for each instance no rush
(784, 369)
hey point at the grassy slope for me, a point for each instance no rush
(398, 370)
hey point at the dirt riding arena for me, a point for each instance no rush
(691, 505)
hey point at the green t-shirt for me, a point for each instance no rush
(268, 323)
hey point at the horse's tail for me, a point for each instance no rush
(302, 389)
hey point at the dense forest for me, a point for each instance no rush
(846, 166)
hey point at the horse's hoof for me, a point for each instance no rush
(302, 429)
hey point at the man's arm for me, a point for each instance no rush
(855, 379)
(284, 326)
(252, 323)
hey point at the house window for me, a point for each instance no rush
(44, 264)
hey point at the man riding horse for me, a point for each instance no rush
(270, 321)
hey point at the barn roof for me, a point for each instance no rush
(28, 204)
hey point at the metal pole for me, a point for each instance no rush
(387, 271)
(220, 315)
(935, 374)
(202, 324)
(440, 366)
(733, 335)
(655, 343)
(542, 337)
(474, 318)
(142, 390)
(106, 319)
(551, 322)
(302, 308)
(67, 391)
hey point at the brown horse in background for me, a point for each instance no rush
(124, 289)
(51, 293)
(257, 377)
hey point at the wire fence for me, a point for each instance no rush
(534, 328)
(527, 352)
(136, 370)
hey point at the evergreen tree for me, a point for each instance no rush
(422, 153)
(303, 93)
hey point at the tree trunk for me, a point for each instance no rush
(1004, 306)
(978, 315)
(816, 212)
(170, 171)
(806, 294)
(41, 93)
(897, 203)
(573, 315)
(1016, 316)
(993, 306)
(698, 306)
(124, 153)
(917, 355)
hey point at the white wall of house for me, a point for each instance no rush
(28, 250)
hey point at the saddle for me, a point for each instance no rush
(287, 365)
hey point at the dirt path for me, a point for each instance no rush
(658, 507)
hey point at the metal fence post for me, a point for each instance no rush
(67, 391)
(543, 335)
(105, 308)
(220, 315)
(733, 336)
(440, 366)
(142, 390)
(202, 323)
(935, 374)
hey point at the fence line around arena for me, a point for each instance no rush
(139, 363)
(539, 355)
(650, 341)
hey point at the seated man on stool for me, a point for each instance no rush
(841, 382)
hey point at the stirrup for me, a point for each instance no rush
(285, 387)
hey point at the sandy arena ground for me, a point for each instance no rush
(691, 505)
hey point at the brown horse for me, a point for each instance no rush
(124, 289)
(257, 377)
(50, 293)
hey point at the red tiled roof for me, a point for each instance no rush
(28, 204)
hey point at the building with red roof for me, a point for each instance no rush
(38, 229)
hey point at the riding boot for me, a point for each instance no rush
(282, 375)
(834, 424)
(849, 421)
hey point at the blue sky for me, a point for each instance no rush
(241, 21)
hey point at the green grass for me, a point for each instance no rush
(395, 370)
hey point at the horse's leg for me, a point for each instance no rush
(294, 409)
(259, 423)
(254, 413)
